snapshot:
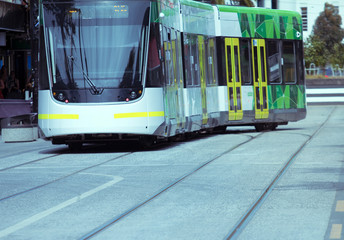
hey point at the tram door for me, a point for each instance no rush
(173, 79)
(202, 59)
(178, 77)
(260, 79)
(233, 74)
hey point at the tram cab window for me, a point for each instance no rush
(288, 62)
(245, 61)
(274, 62)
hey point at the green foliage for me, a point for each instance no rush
(315, 51)
(327, 26)
(325, 43)
(247, 3)
(337, 56)
(221, 2)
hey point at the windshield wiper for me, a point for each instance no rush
(93, 88)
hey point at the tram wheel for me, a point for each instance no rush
(265, 127)
(220, 129)
(259, 127)
(273, 126)
(75, 146)
(147, 141)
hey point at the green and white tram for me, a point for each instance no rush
(155, 69)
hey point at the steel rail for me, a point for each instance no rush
(121, 216)
(245, 219)
(64, 176)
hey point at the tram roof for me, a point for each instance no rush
(241, 9)
(197, 4)
(256, 10)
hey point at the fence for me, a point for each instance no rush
(329, 70)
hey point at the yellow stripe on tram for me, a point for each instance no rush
(156, 114)
(131, 115)
(58, 116)
(139, 114)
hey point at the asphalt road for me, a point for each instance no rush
(285, 184)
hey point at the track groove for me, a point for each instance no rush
(244, 220)
(63, 177)
(26, 163)
(107, 224)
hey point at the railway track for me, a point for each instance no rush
(56, 179)
(83, 170)
(244, 220)
(164, 189)
(234, 231)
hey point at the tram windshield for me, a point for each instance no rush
(96, 47)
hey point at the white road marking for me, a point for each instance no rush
(336, 231)
(39, 216)
(325, 91)
(340, 206)
(325, 99)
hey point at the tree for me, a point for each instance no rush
(315, 51)
(325, 43)
(327, 27)
(221, 2)
(338, 55)
(247, 3)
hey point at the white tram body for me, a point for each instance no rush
(116, 69)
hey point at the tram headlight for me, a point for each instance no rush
(60, 96)
(133, 95)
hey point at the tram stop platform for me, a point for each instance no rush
(18, 123)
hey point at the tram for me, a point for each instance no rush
(162, 68)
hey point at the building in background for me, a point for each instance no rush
(309, 10)
(15, 49)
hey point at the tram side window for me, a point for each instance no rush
(274, 64)
(221, 61)
(191, 60)
(289, 62)
(175, 57)
(195, 61)
(43, 69)
(154, 66)
(179, 58)
(169, 71)
(245, 61)
(187, 60)
(211, 63)
(300, 64)
(166, 54)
